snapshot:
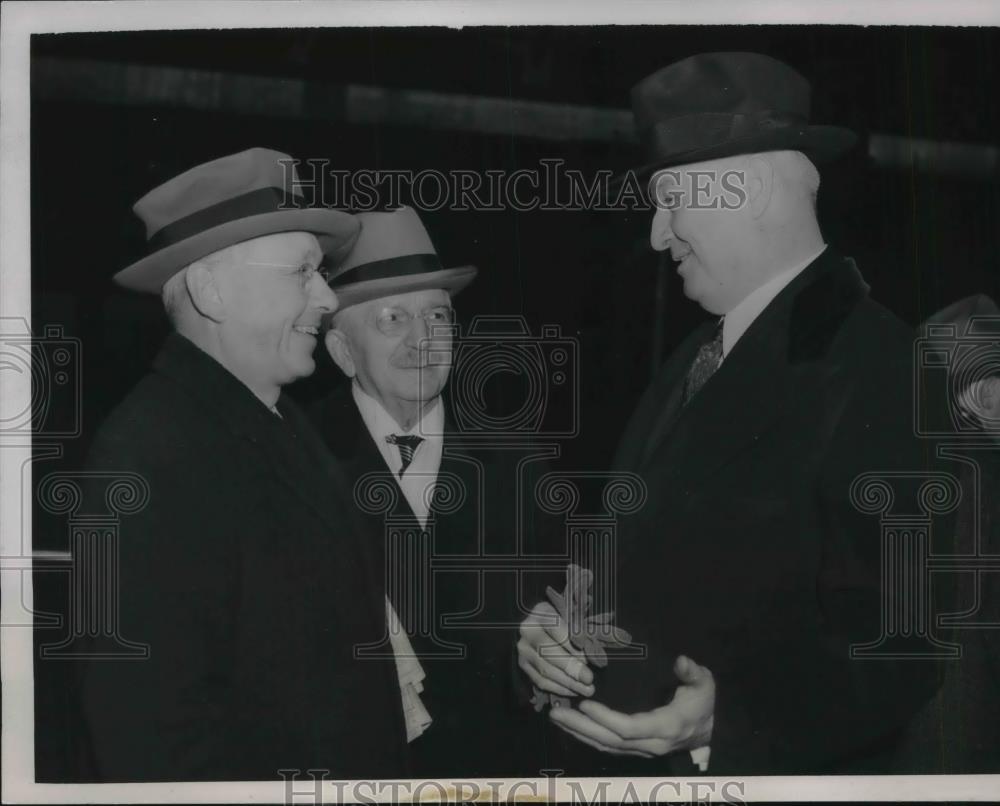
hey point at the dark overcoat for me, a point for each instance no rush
(750, 556)
(244, 576)
(482, 724)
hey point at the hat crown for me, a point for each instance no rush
(393, 255)
(716, 105)
(387, 235)
(214, 182)
(721, 83)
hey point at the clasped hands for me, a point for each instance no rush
(554, 665)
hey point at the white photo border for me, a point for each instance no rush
(21, 19)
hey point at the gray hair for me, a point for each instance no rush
(175, 295)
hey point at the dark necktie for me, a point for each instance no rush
(704, 365)
(407, 444)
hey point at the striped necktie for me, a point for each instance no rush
(407, 444)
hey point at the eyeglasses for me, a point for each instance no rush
(397, 321)
(303, 272)
(325, 272)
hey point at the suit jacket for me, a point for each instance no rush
(749, 556)
(245, 577)
(481, 722)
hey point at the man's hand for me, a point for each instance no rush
(546, 655)
(684, 724)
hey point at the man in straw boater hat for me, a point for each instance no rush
(243, 574)
(750, 576)
(392, 336)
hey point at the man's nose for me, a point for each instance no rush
(321, 295)
(416, 332)
(660, 233)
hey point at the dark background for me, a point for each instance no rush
(922, 234)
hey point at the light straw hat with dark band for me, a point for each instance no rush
(394, 255)
(224, 202)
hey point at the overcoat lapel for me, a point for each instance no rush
(356, 455)
(455, 529)
(348, 439)
(735, 408)
(659, 405)
(283, 440)
(777, 364)
(458, 529)
(304, 464)
(290, 451)
(304, 467)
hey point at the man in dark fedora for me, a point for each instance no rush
(243, 574)
(392, 337)
(749, 575)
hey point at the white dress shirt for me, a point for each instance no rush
(420, 477)
(738, 320)
(417, 485)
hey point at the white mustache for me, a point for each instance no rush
(432, 358)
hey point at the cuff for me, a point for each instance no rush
(700, 756)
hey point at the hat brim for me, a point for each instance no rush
(335, 230)
(819, 143)
(451, 280)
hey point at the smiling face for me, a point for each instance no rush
(384, 344)
(702, 219)
(273, 299)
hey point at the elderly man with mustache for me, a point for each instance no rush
(393, 338)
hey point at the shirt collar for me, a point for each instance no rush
(738, 320)
(380, 423)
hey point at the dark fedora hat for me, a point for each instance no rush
(222, 202)
(716, 105)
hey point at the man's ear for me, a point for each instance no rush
(760, 184)
(203, 288)
(340, 351)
